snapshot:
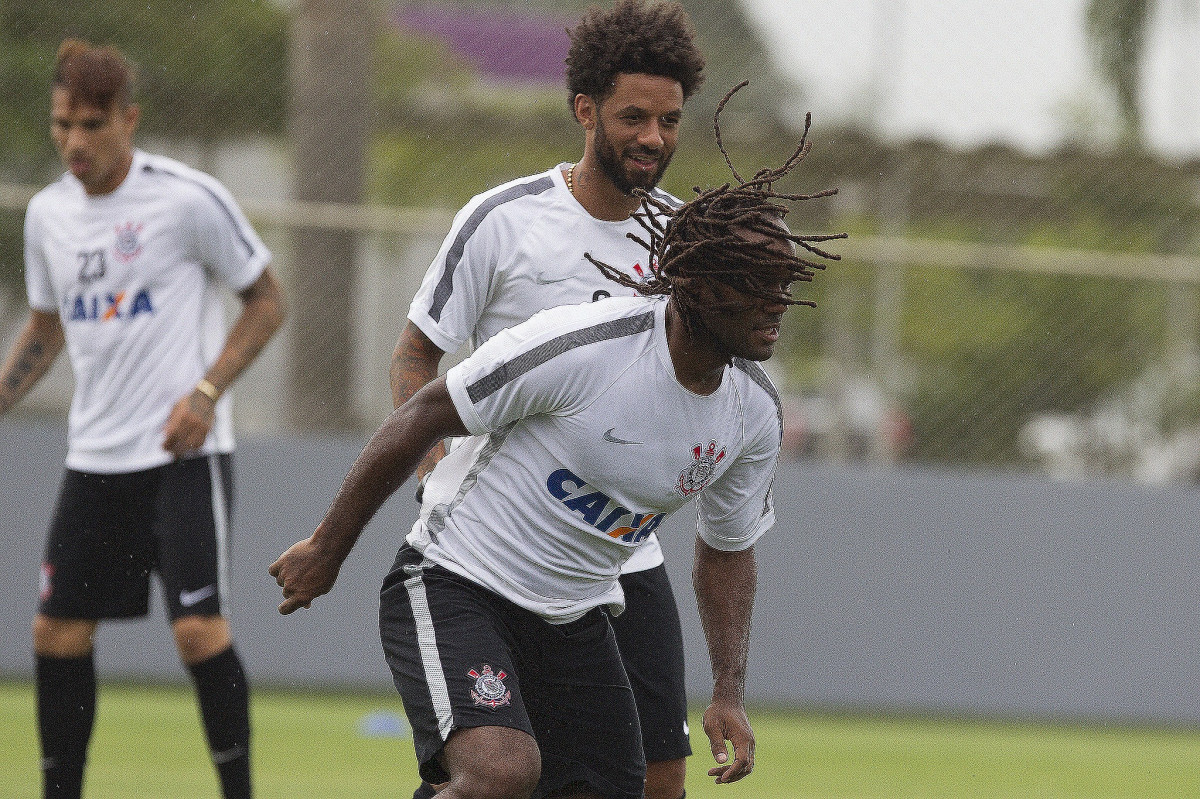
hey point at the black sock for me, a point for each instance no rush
(224, 700)
(66, 708)
(424, 791)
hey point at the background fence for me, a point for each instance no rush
(1066, 362)
(994, 308)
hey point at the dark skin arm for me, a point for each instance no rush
(415, 363)
(30, 357)
(262, 314)
(725, 583)
(309, 568)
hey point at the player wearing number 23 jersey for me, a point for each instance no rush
(136, 278)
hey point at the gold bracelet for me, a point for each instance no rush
(209, 390)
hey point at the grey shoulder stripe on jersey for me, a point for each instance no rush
(510, 370)
(759, 376)
(445, 286)
(229, 214)
(664, 197)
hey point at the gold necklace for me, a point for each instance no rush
(571, 179)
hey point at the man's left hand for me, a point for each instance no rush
(188, 424)
(727, 721)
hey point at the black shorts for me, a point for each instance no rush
(651, 642)
(110, 531)
(462, 656)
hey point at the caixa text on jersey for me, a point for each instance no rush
(108, 307)
(598, 510)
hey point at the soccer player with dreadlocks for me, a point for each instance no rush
(599, 420)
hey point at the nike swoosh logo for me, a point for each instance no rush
(608, 436)
(543, 281)
(189, 598)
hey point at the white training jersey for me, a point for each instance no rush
(135, 277)
(518, 249)
(584, 442)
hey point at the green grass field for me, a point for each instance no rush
(148, 744)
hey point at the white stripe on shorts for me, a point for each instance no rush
(221, 523)
(435, 678)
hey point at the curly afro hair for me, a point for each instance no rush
(633, 37)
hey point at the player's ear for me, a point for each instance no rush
(131, 115)
(585, 111)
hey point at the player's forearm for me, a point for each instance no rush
(415, 362)
(263, 312)
(725, 583)
(30, 357)
(388, 459)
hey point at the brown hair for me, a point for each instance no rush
(703, 240)
(632, 37)
(98, 76)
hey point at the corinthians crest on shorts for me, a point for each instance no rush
(489, 688)
(696, 476)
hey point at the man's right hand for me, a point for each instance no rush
(304, 572)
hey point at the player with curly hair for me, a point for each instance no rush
(519, 248)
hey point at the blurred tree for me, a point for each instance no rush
(995, 349)
(207, 70)
(734, 52)
(434, 103)
(1116, 30)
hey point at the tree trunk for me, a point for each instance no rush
(331, 48)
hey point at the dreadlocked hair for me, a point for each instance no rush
(705, 240)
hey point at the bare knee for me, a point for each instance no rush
(665, 779)
(62, 638)
(199, 638)
(491, 763)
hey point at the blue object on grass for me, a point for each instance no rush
(383, 724)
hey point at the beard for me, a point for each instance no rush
(610, 164)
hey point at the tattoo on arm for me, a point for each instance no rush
(28, 364)
(414, 363)
(27, 361)
(411, 374)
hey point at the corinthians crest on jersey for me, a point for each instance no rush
(489, 688)
(128, 244)
(696, 476)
